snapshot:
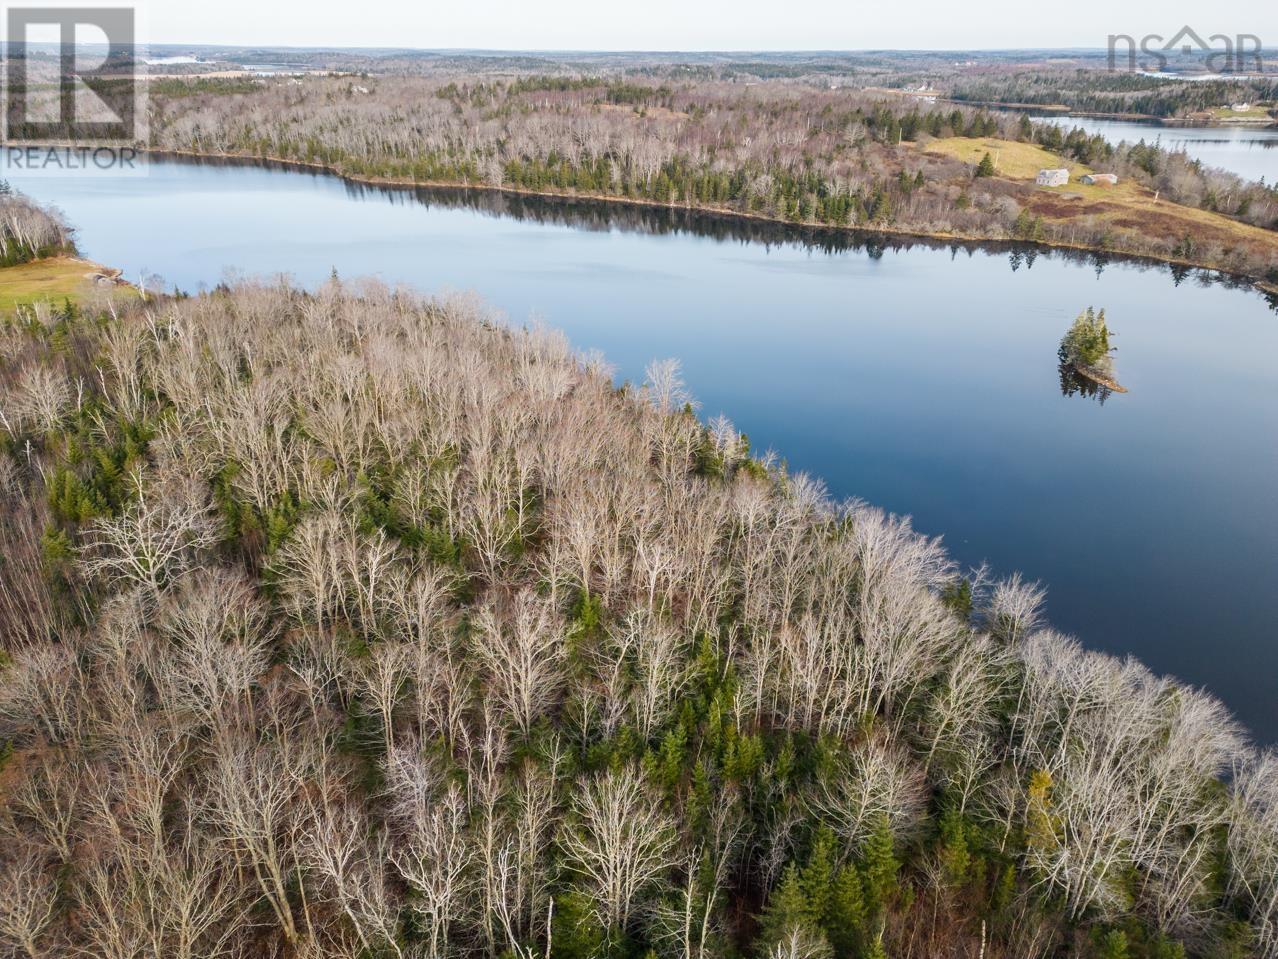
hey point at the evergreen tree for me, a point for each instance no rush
(880, 866)
(788, 908)
(1040, 830)
(955, 854)
(1112, 945)
(876, 949)
(881, 207)
(986, 166)
(817, 876)
(845, 912)
(1164, 948)
(577, 933)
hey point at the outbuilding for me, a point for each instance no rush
(1103, 179)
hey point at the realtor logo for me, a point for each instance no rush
(70, 75)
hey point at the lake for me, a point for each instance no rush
(1249, 151)
(917, 376)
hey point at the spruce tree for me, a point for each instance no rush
(787, 909)
(845, 911)
(818, 874)
(880, 866)
(1111, 945)
(876, 949)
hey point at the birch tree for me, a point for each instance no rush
(619, 843)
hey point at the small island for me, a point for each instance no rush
(1086, 357)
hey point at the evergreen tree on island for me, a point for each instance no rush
(1085, 350)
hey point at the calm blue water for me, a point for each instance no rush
(922, 379)
(1249, 151)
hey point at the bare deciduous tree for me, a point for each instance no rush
(158, 538)
(252, 799)
(621, 845)
(28, 900)
(521, 648)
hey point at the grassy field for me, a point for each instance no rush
(54, 280)
(1255, 113)
(1012, 160)
(1126, 205)
(1022, 161)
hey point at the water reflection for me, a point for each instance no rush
(1074, 383)
(640, 218)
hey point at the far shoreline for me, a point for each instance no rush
(1061, 111)
(404, 183)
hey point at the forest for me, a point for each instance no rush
(28, 231)
(790, 151)
(349, 623)
(1120, 93)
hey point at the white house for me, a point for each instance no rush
(1052, 177)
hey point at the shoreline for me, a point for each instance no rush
(57, 278)
(1099, 379)
(1060, 110)
(404, 183)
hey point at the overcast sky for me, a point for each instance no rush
(695, 24)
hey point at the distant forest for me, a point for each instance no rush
(787, 151)
(1100, 92)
